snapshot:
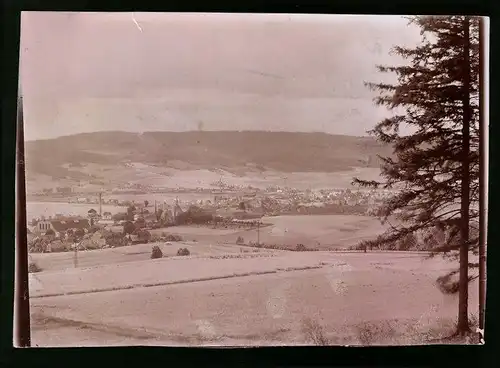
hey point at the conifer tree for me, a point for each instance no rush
(434, 170)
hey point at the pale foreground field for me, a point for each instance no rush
(260, 298)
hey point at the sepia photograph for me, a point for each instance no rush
(237, 180)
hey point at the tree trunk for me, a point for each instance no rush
(483, 178)
(463, 318)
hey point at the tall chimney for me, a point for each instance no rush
(100, 204)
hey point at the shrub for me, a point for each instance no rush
(116, 240)
(155, 238)
(360, 246)
(144, 236)
(366, 333)
(140, 223)
(89, 244)
(94, 228)
(473, 321)
(128, 228)
(33, 267)
(194, 215)
(173, 237)
(38, 245)
(183, 252)
(156, 252)
(240, 240)
(448, 284)
(369, 333)
(300, 248)
(119, 217)
(314, 332)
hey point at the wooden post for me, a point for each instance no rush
(22, 303)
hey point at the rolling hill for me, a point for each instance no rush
(91, 156)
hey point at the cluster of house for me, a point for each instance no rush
(92, 200)
(60, 232)
(286, 200)
(59, 225)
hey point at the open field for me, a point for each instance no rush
(163, 271)
(344, 293)
(133, 253)
(318, 231)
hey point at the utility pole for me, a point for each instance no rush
(22, 302)
(75, 258)
(463, 290)
(483, 175)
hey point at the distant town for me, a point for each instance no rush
(142, 221)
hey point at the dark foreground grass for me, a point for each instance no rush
(390, 332)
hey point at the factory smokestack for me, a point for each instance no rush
(100, 204)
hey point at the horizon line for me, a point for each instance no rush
(197, 131)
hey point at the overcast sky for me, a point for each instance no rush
(84, 72)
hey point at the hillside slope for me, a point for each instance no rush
(65, 158)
